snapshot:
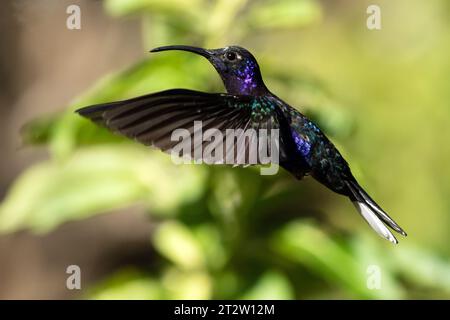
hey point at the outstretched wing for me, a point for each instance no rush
(216, 128)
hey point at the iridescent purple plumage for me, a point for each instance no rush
(247, 77)
(303, 146)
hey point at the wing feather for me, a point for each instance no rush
(152, 119)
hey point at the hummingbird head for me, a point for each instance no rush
(237, 67)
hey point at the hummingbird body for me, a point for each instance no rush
(304, 148)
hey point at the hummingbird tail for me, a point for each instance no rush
(376, 217)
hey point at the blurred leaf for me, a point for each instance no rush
(40, 130)
(270, 286)
(212, 245)
(235, 191)
(423, 268)
(176, 7)
(95, 180)
(189, 285)
(220, 21)
(177, 243)
(127, 284)
(284, 14)
(309, 246)
(371, 253)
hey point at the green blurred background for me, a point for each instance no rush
(142, 227)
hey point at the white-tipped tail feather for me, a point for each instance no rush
(372, 213)
(369, 215)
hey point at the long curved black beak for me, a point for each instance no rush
(203, 52)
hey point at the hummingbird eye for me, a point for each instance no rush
(231, 55)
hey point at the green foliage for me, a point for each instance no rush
(221, 232)
(97, 179)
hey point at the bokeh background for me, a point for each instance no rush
(141, 227)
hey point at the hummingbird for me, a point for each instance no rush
(304, 149)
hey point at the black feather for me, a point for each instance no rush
(151, 119)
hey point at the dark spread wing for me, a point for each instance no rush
(154, 119)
